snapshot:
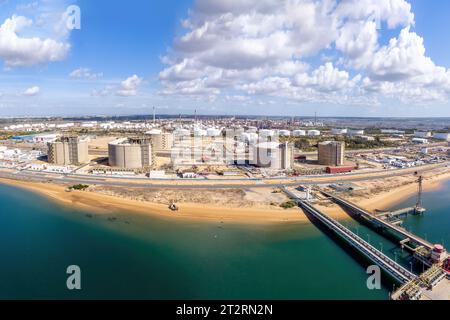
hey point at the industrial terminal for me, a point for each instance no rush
(311, 164)
(180, 148)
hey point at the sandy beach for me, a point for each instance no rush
(105, 204)
(254, 214)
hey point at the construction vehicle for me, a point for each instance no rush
(173, 206)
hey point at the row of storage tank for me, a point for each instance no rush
(212, 132)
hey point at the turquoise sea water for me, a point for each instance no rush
(124, 256)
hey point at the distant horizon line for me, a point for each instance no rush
(189, 115)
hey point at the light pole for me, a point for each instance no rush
(381, 245)
(368, 238)
(411, 266)
(395, 254)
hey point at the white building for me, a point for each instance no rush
(45, 138)
(391, 131)
(422, 134)
(442, 136)
(420, 141)
(367, 138)
(158, 175)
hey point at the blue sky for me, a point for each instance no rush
(339, 58)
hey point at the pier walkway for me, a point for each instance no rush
(433, 284)
(395, 270)
(381, 222)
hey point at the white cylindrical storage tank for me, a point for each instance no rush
(284, 133)
(182, 133)
(199, 132)
(153, 132)
(128, 153)
(299, 133)
(266, 133)
(252, 130)
(213, 132)
(338, 131)
(249, 137)
(356, 132)
(313, 133)
(244, 137)
(267, 155)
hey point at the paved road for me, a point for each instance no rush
(74, 179)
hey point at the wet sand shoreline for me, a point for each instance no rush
(106, 204)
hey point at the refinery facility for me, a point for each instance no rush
(215, 148)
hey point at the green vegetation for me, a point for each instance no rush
(356, 143)
(310, 144)
(288, 205)
(79, 187)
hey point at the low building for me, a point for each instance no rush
(442, 136)
(337, 170)
(392, 132)
(422, 134)
(131, 153)
(420, 141)
(68, 150)
(367, 138)
(45, 138)
(158, 175)
(332, 153)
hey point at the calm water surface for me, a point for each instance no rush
(124, 256)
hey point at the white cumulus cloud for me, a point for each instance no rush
(130, 86)
(85, 73)
(263, 47)
(17, 50)
(31, 92)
